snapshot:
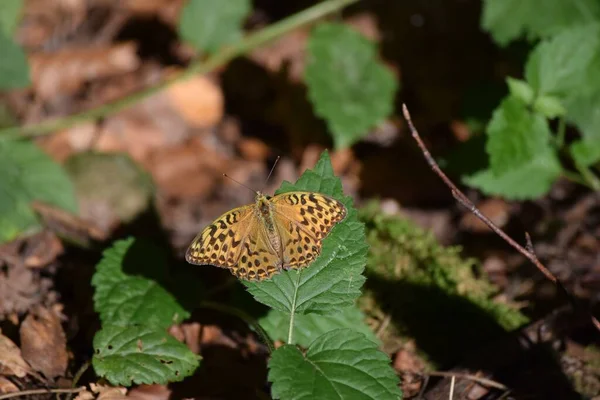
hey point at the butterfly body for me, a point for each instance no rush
(258, 240)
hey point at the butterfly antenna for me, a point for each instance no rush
(240, 183)
(272, 169)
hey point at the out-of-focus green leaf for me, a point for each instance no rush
(347, 84)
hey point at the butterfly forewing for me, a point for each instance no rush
(219, 244)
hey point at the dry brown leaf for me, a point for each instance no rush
(253, 149)
(150, 392)
(198, 100)
(21, 288)
(187, 170)
(102, 392)
(43, 342)
(62, 144)
(64, 72)
(497, 210)
(68, 225)
(42, 249)
(7, 386)
(11, 360)
(46, 22)
(149, 125)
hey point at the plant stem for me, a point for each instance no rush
(293, 309)
(575, 177)
(243, 316)
(39, 391)
(221, 58)
(589, 177)
(560, 135)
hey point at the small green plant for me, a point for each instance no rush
(314, 307)
(561, 81)
(426, 288)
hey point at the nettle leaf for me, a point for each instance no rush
(341, 364)
(529, 181)
(123, 296)
(209, 25)
(507, 20)
(333, 281)
(583, 110)
(560, 64)
(549, 106)
(515, 136)
(10, 14)
(28, 174)
(307, 327)
(585, 152)
(142, 355)
(14, 69)
(521, 90)
(347, 84)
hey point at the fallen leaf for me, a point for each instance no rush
(253, 149)
(65, 71)
(497, 210)
(43, 342)
(22, 288)
(150, 392)
(68, 225)
(41, 249)
(198, 100)
(7, 386)
(11, 360)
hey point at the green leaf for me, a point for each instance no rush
(347, 85)
(28, 174)
(585, 152)
(209, 25)
(550, 106)
(333, 281)
(307, 327)
(10, 14)
(341, 364)
(521, 90)
(529, 181)
(124, 297)
(560, 64)
(515, 136)
(113, 180)
(14, 70)
(583, 109)
(507, 20)
(141, 355)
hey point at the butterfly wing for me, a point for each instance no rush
(303, 220)
(238, 241)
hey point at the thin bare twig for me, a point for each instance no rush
(464, 200)
(39, 391)
(482, 381)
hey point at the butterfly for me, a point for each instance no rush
(257, 241)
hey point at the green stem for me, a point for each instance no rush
(293, 309)
(560, 135)
(589, 177)
(221, 58)
(236, 312)
(577, 178)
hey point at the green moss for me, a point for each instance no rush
(433, 295)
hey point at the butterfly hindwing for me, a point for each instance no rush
(305, 219)
(236, 241)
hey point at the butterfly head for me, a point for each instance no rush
(263, 205)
